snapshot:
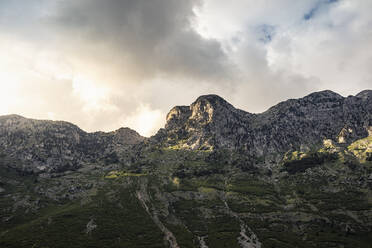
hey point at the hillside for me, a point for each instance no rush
(297, 175)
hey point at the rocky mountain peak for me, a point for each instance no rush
(11, 116)
(205, 109)
(206, 123)
(127, 136)
(211, 123)
(329, 93)
(325, 94)
(365, 94)
(212, 100)
(209, 107)
(52, 146)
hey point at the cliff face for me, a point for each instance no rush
(212, 123)
(52, 146)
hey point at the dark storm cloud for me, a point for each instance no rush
(118, 45)
(143, 37)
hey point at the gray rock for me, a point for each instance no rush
(91, 225)
(212, 123)
(44, 146)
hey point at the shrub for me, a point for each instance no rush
(309, 161)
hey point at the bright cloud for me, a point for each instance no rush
(145, 120)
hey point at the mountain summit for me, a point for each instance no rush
(52, 146)
(211, 122)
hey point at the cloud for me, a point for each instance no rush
(141, 38)
(107, 64)
(107, 50)
(144, 115)
(306, 46)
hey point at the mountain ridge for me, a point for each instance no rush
(362, 94)
(235, 128)
(210, 122)
(45, 145)
(297, 175)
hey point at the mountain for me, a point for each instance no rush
(211, 122)
(296, 175)
(52, 146)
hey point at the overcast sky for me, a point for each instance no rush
(105, 64)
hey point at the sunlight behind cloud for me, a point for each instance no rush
(145, 121)
(9, 86)
(94, 96)
(8, 89)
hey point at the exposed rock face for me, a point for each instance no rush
(210, 122)
(52, 146)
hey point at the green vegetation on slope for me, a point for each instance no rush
(317, 199)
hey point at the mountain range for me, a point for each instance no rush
(296, 175)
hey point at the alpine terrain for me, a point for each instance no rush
(296, 175)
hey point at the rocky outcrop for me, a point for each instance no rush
(53, 146)
(212, 123)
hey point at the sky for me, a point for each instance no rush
(108, 64)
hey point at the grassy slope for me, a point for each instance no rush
(298, 210)
(121, 222)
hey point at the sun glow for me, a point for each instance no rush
(94, 96)
(8, 89)
(9, 85)
(145, 120)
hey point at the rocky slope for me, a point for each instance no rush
(297, 175)
(53, 146)
(210, 122)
